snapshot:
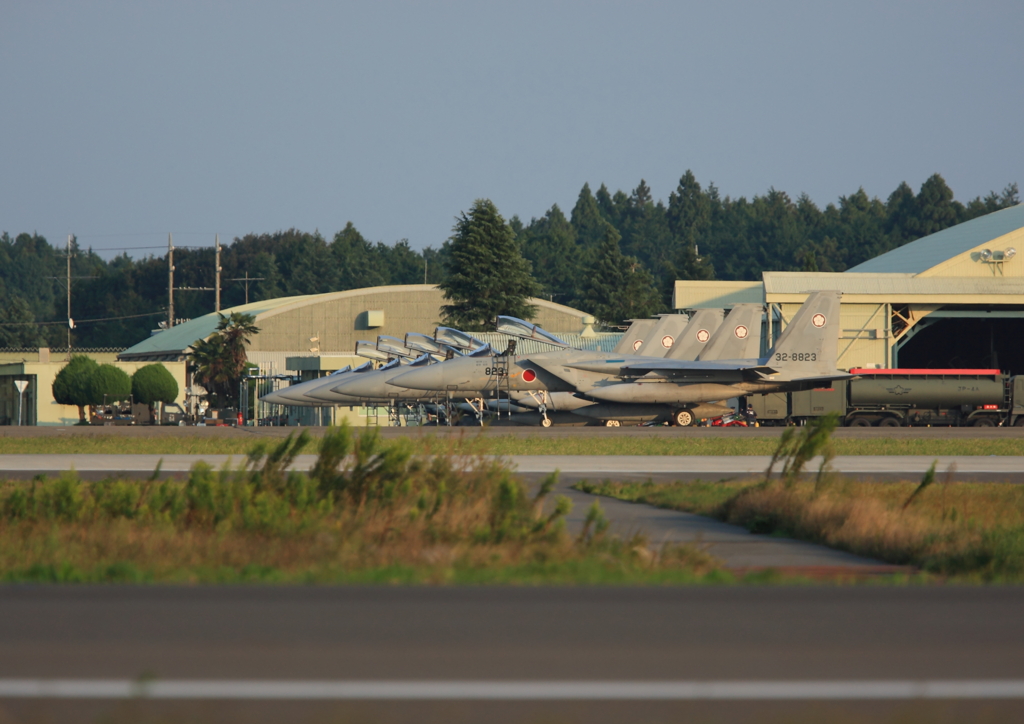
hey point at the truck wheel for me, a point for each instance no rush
(889, 422)
(860, 422)
(611, 423)
(682, 418)
(984, 422)
(1019, 422)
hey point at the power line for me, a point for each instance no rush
(78, 321)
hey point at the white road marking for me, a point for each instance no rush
(511, 690)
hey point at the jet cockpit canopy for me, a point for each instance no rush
(369, 351)
(456, 338)
(394, 347)
(515, 327)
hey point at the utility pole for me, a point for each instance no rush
(71, 323)
(170, 281)
(216, 273)
(247, 279)
(66, 281)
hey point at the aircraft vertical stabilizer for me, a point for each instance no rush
(662, 338)
(693, 340)
(809, 346)
(739, 337)
(635, 336)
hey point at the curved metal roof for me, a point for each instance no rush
(930, 251)
(177, 340)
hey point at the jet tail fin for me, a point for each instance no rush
(663, 336)
(810, 344)
(699, 330)
(634, 337)
(738, 337)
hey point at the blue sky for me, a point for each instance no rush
(122, 122)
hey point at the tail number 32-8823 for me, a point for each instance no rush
(796, 356)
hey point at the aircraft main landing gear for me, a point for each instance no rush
(682, 418)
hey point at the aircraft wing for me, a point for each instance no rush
(639, 366)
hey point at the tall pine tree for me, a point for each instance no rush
(487, 274)
(617, 287)
(550, 245)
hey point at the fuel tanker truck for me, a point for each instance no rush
(898, 398)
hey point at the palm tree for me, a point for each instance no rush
(235, 330)
(219, 360)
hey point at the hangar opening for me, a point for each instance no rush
(967, 343)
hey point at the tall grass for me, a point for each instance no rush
(970, 531)
(367, 510)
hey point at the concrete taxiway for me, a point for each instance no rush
(1003, 468)
(817, 649)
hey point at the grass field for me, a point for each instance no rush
(965, 531)
(497, 444)
(369, 511)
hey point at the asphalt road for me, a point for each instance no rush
(787, 635)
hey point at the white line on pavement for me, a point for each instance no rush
(510, 690)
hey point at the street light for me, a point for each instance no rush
(22, 385)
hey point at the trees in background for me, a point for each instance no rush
(697, 234)
(71, 384)
(487, 274)
(107, 384)
(152, 384)
(617, 287)
(219, 361)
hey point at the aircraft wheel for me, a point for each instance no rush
(889, 422)
(682, 418)
(611, 423)
(545, 422)
(860, 422)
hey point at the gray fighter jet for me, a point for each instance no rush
(804, 357)
(542, 380)
(737, 337)
(300, 395)
(686, 345)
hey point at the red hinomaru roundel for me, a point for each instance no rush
(667, 341)
(529, 375)
(741, 332)
(637, 344)
(703, 335)
(818, 320)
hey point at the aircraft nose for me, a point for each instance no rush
(355, 388)
(431, 377)
(274, 398)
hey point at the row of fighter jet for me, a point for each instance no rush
(675, 368)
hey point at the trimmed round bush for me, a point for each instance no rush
(154, 383)
(110, 381)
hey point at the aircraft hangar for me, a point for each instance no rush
(953, 299)
(326, 327)
(310, 336)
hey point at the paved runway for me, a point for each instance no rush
(596, 467)
(784, 637)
